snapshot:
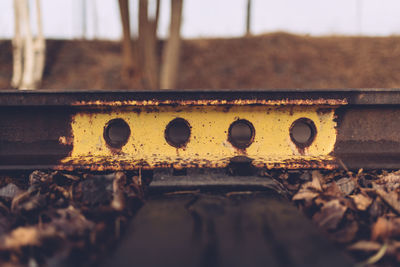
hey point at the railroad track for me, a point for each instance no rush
(118, 130)
(212, 141)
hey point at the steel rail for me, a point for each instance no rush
(111, 130)
(370, 96)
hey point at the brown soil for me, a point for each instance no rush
(276, 60)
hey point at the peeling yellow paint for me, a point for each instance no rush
(208, 145)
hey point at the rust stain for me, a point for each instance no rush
(106, 164)
(237, 102)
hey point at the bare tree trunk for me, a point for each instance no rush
(171, 53)
(156, 17)
(39, 47)
(148, 45)
(127, 47)
(84, 19)
(95, 20)
(143, 5)
(29, 52)
(248, 18)
(17, 43)
(152, 71)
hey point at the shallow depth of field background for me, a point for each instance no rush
(294, 44)
(219, 18)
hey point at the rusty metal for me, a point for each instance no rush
(38, 129)
(203, 97)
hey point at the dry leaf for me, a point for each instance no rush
(381, 229)
(391, 180)
(346, 185)
(385, 228)
(390, 199)
(365, 245)
(316, 181)
(377, 208)
(26, 236)
(320, 200)
(330, 215)
(305, 176)
(305, 194)
(308, 190)
(9, 191)
(362, 202)
(347, 233)
(333, 190)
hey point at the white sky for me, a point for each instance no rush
(225, 18)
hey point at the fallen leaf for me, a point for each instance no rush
(70, 222)
(330, 215)
(71, 177)
(347, 233)
(390, 199)
(9, 191)
(385, 228)
(361, 201)
(37, 178)
(305, 194)
(118, 202)
(95, 190)
(377, 208)
(310, 189)
(391, 180)
(365, 245)
(346, 185)
(316, 180)
(333, 190)
(306, 176)
(26, 236)
(320, 200)
(381, 229)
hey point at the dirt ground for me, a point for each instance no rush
(277, 60)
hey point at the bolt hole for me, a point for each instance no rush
(303, 132)
(116, 133)
(241, 133)
(177, 132)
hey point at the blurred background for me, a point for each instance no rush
(99, 19)
(224, 44)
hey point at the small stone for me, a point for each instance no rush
(95, 190)
(346, 185)
(306, 176)
(9, 191)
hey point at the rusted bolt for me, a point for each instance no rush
(116, 133)
(303, 132)
(177, 132)
(241, 133)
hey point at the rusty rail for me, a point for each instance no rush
(106, 130)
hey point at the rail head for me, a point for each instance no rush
(45, 97)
